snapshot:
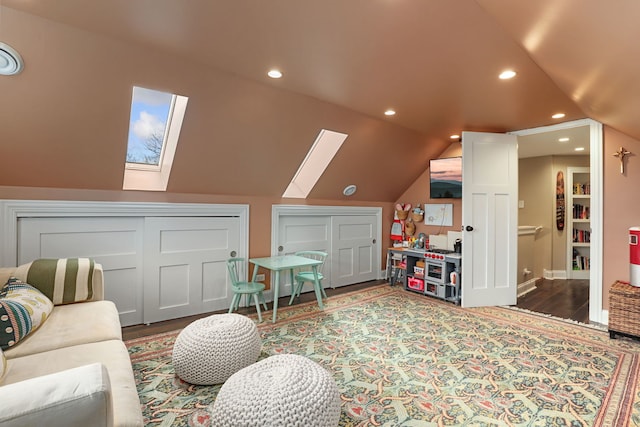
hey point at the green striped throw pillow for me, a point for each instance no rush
(62, 280)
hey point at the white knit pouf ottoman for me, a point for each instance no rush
(282, 390)
(210, 350)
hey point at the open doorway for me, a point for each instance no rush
(559, 265)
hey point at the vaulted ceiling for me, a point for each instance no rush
(435, 62)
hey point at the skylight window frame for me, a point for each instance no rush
(145, 177)
(324, 148)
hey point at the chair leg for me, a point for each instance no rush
(234, 302)
(255, 298)
(296, 291)
(264, 302)
(299, 287)
(324, 294)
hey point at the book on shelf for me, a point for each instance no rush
(581, 236)
(579, 188)
(580, 211)
(581, 263)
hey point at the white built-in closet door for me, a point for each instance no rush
(115, 242)
(185, 269)
(304, 233)
(354, 249)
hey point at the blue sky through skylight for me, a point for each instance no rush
(149, 115)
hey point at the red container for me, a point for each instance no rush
(634, 256)
(415, 284)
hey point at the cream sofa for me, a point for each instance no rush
(74, 370)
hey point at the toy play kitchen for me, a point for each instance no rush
(418, 265)
(434, 272)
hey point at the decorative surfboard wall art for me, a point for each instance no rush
(560, 204)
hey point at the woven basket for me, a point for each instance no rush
(402, 214)
(417, 217)
(624, 309)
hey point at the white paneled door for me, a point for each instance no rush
(116, 243)
(304, 233)
(354, 249)
(350, 240)
(185, 269)
(489, 218)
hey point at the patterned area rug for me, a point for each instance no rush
(402, 359)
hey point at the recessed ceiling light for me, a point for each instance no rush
(390, 113)
(563, 139)
(349, 190)
(10, 60)
(579, 149)
(274, 74)
(507, 74)
(455, 136)
(558, 116)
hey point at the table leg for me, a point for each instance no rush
(387, 274)
(316, 287)
(247, 297)
(276, 294)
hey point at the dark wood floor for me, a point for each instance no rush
(568, 299)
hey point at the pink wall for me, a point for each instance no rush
(67, 116)
(418, 192)
(621, 206)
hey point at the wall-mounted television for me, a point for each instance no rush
(446, 178)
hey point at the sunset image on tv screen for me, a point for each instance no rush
(446, 178)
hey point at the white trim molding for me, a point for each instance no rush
(554, 274)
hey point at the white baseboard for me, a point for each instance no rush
(554, 274)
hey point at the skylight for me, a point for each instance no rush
(148, 124)
(314, 164)
(154, 129)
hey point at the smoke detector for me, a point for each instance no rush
(10, 60)
(349, 190)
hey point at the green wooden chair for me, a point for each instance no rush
(306, 275)
(240, 288)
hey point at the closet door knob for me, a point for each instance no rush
(469, 228)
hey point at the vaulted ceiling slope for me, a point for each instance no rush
(435, 62)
